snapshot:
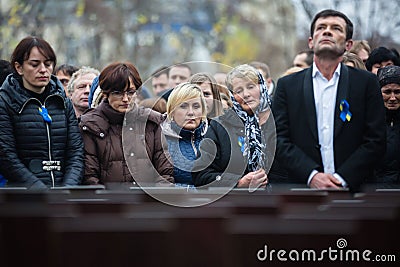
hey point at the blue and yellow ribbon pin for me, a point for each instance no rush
(45, 114)
(241, 143)
(345, 113)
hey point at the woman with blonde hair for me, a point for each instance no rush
(184, 128)
(362, 49)
(353, 60)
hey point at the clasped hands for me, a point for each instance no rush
(325, 181)
(254, 180)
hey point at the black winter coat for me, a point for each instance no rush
(388, 171)
(28, 143)
(225, 166)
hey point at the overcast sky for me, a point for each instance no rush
(385, 18)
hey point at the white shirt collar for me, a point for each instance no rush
(315, 70)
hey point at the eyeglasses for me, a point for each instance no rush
(121, 94)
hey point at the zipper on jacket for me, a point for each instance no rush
(40, 103)
(49, 146)
(193, 145)
(47, 130)
(49, 140)
(50, 158)
(26, 102)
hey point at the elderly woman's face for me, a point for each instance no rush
(246, 93)
(391, 96)
(188, 114)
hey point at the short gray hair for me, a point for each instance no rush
(82, 71)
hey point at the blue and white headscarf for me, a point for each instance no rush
(254, 147)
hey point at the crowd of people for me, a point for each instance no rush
(331, 121)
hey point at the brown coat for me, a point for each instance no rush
(111, 150)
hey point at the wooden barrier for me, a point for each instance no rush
(100, 227)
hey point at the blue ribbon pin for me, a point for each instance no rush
(3, 181)
(345, 113)
(43, 111)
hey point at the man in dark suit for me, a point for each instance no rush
(329, 118)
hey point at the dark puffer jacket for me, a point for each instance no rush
(26, 140)
(183, 145)
(121, 149)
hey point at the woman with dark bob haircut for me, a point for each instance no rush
(40, 142)
(122, 140)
